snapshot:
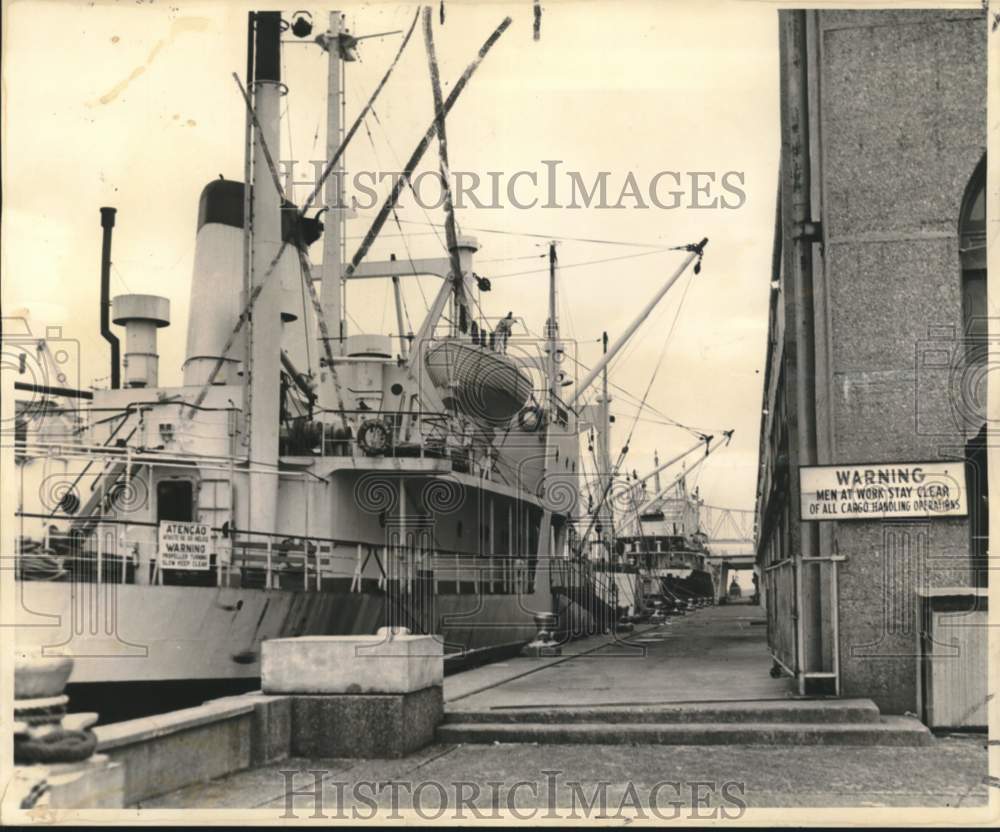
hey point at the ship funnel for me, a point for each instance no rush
(217, 291)
(141, 315)
(216, 285)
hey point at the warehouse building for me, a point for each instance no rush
(872, 491)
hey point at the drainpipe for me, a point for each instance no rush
(803, 232)
(108, 223)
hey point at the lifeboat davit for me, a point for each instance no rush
(485, 385)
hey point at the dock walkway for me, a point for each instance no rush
(714, 658)
(716, 654)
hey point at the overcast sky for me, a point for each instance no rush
(133, 105)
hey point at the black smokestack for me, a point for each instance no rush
(268, 47)
(107, 223)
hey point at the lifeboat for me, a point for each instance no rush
(485, 385)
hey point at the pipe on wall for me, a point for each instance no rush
(107, 224)
(800, 357)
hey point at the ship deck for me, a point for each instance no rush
(324, 467)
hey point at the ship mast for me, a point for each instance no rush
(604, 433)
(552, 336)
(332, 289)
(545, 541)
(265, 223)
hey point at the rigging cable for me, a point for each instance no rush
(416, 200)
(409, 256)
(305, 321)
(585, 263)
(624, 451)
(409, 184)
(406, 244)
(658, 246)
(659, 362)
(635, 399)
(378, 164)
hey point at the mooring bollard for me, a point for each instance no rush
(545, 643)
(54, 760)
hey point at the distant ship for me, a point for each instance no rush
(664, 558)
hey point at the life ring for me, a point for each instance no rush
(531, 419)
(373, 437)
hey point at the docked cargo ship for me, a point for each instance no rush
(663, 557)
(425, 480)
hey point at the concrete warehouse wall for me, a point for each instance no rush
(902, 126)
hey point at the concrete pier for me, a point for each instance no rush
(714, 654)
(705, 672)
(692, 700)
(700, 680)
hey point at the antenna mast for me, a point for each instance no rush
(605, 429)
(332, 290)
(552, 335)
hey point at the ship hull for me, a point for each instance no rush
(125, 633)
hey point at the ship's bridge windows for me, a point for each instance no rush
(175, 500)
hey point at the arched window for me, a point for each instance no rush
(972, 248)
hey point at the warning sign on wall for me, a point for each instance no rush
(883, 490)
(184, 545)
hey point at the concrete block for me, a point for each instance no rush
(271, 729)
(143, 729)
(365, 725)
(164, 753)
(355, 664)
